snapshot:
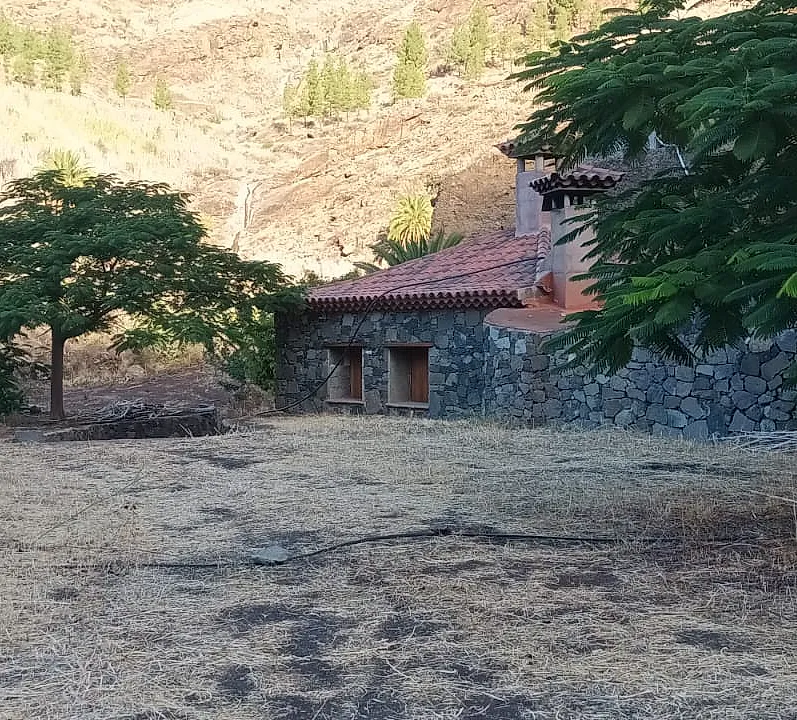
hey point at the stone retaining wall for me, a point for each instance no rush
(731, 390)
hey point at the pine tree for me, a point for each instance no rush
(291, 102)
(122, 79)
(8, 37)
(162, 96)
(328, 89)
(59, 58)
(538, 27)
(312, 92)
(470, 44)
(409, 77)
(362, 91)
(715, 247)
(23, 69)
(78, 73)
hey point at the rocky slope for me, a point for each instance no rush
(311, 198)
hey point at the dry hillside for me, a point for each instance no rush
(312, 198)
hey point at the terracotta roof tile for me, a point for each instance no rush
(514, 149)
(488, 270)
(584, 177)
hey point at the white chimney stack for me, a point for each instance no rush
(531, 165)
(567, 197)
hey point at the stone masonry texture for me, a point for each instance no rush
(476, 369)
(731, 390)
(456, 358)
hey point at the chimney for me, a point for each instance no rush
(567, 197)
(531, 165)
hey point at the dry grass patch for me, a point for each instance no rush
(126, 591)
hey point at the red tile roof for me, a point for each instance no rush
(584, 177)
(488, 270)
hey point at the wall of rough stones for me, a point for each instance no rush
(456, 359)
(731, 390)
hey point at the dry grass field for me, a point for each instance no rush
(126, 590)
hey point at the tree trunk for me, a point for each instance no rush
(57, 377)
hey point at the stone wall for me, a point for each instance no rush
(456, 359)
(734, 389)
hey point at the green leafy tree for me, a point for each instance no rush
(162, 96)
(409, 77)
(715, 246)
(74, 258)
(123, 80)
(394, 251)
(411, 220)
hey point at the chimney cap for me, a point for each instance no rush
(585, 178)
(518, 150)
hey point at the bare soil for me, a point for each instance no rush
(126, 589)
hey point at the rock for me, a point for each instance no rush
(722, 372)
(624, 418)
(655, 394)
(672, 402)
(716, 420)
(592, 389)
(775, 366)
(657, 414)
(552, 409)
(676, 419)
(750, 364)
(787, 342)
(705, 370)
(540, 362)
(697, 430)
(693, 409)
(271, 555)
(743, 399)
(755, 385)
(618, 383)
(741, 423)
(640, 378)
(520, 346)
(685, 373)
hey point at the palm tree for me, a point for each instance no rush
(395, 252)
(412, 219)
(68, 164)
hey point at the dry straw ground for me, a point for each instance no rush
(104, 615)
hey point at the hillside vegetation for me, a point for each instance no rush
(310, 193)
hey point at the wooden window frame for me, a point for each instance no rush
(345, 384)
(408, 375)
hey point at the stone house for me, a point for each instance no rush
(460, 333)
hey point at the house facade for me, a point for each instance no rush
(461, 333)
(409, 339)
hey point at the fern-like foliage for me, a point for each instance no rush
(718, 244)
